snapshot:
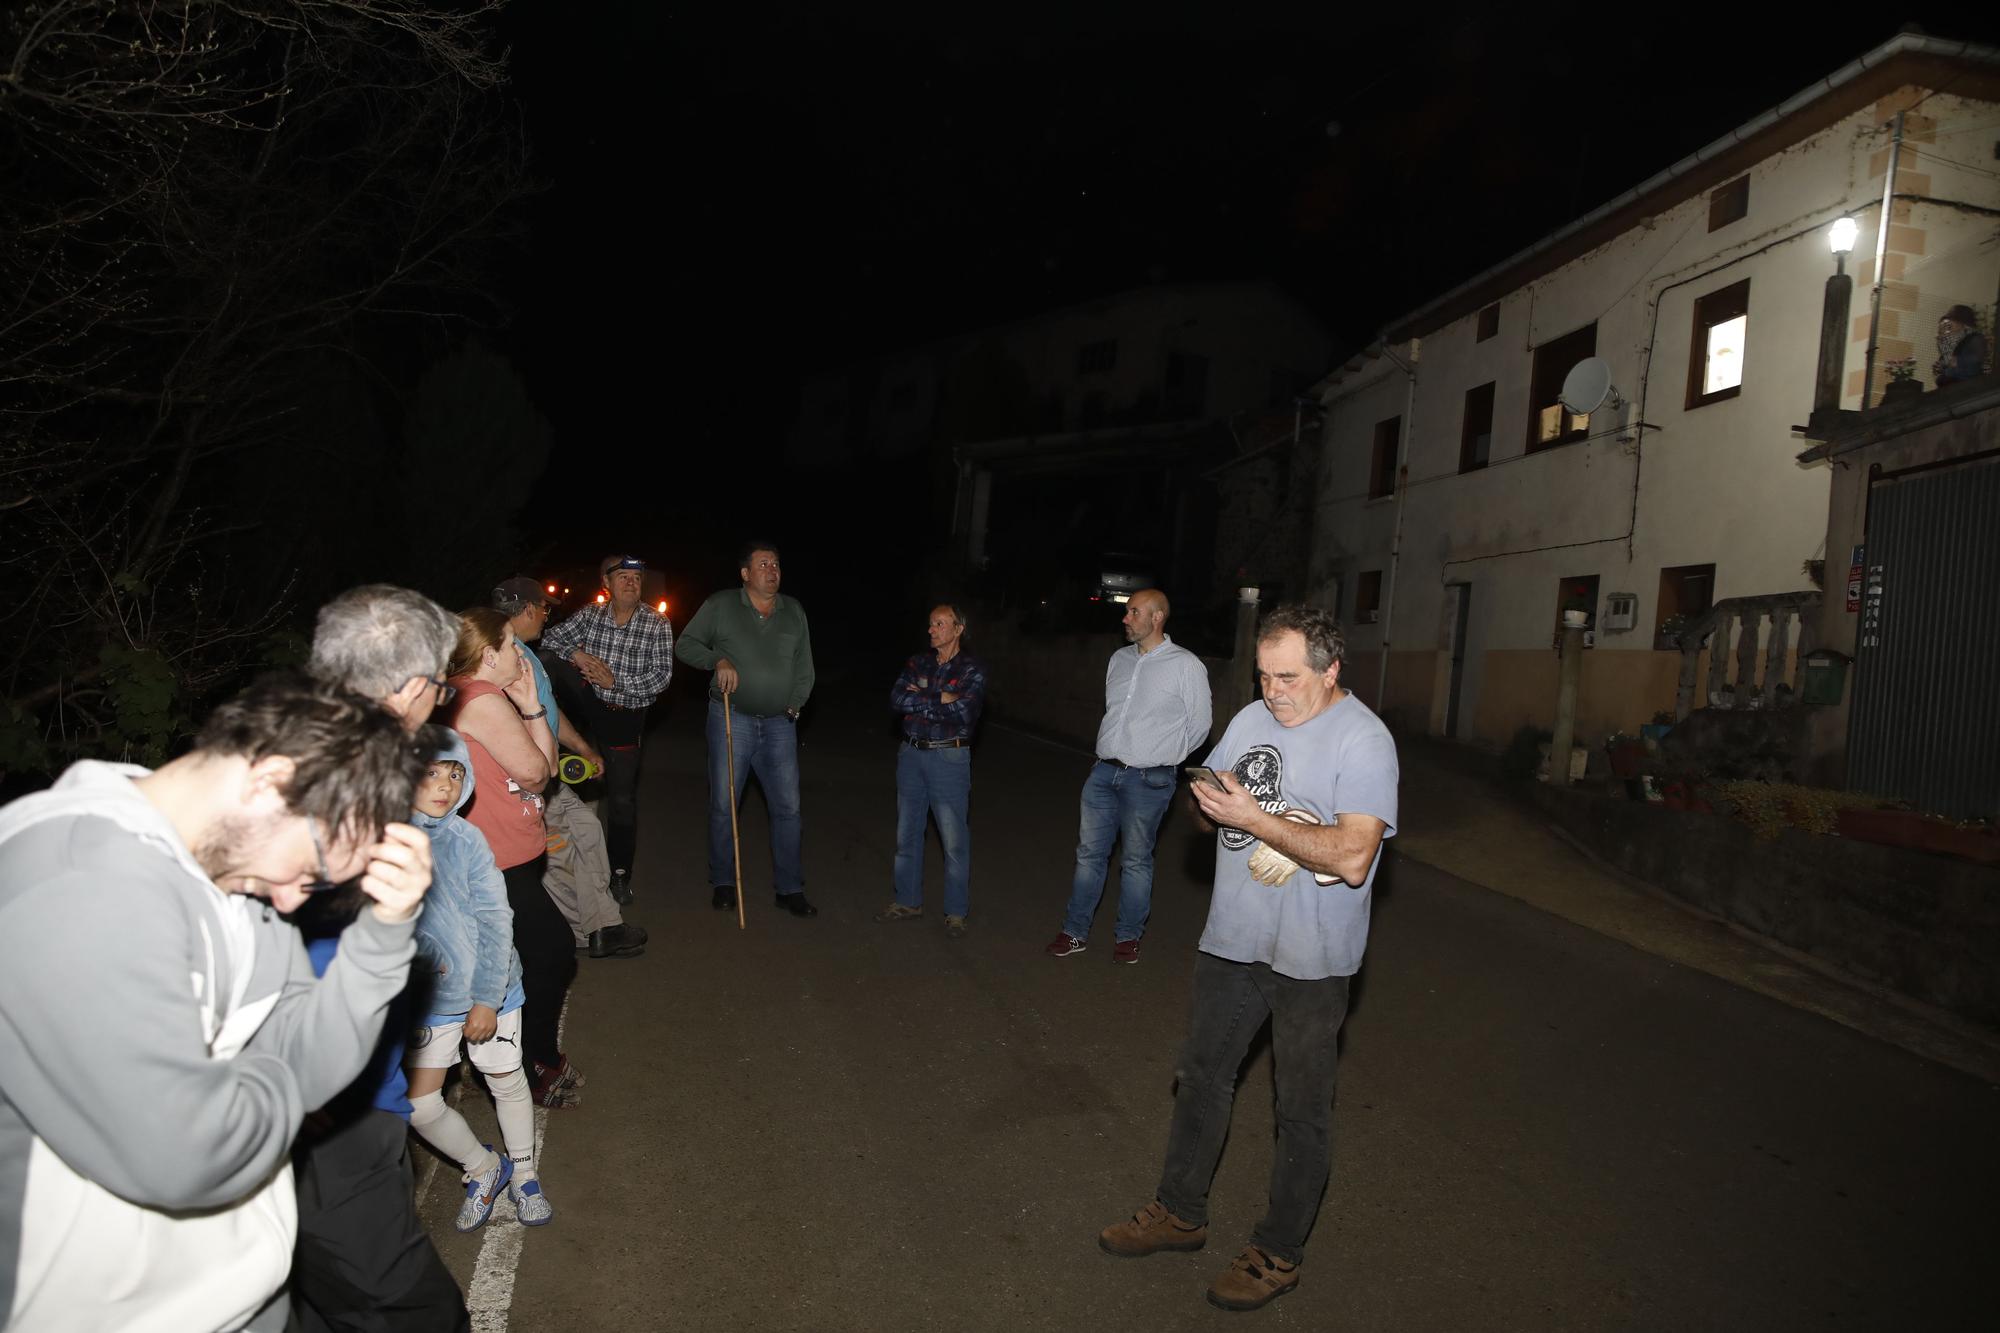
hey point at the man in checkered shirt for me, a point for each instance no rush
(624, 651)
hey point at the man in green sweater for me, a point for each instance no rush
(757, 644)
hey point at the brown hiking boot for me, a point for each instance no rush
(1253, 1281)
(1151, 1230)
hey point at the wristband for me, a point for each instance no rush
(530, 717)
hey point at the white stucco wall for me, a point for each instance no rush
(1715, 484)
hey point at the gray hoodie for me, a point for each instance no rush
(160, 1040)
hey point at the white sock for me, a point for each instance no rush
(446, 1130)
(515, 1109)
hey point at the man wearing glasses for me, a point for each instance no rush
(363, 1257)
(155, 1067)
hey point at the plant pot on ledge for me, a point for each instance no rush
(1897, 391)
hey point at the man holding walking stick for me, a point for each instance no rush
(756, 642)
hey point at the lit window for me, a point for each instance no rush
(1715, 356)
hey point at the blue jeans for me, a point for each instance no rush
(936, 783)
(1123, 805)
(770, 746)
(1231, 1002)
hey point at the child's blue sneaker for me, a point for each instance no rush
(482, 1191)
(530, 1206)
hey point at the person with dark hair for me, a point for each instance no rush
(1961, 347)
(1305, 793)
(755, 640)
(155, 1067)
(363, 1258)
(513, 755)
(623, 650)
(1157, 708)
(939, 695)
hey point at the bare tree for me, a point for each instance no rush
(202, 205)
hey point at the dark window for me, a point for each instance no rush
(1475, 441)
(1096, 358)
(1382, 462)
(1090, 412)
(1368, 597)
(1285, 386)
(1715, 354)
(833, 411)
(903, 397)
(1489, 323)
(1729, 203)
(1549, 422)
(1577, 593)
(1687, 592)
(1187, 384)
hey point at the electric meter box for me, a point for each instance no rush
(1621, 611)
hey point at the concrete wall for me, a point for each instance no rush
(1715, 483)
(1926, 926)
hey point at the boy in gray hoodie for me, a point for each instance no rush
(161, 1030)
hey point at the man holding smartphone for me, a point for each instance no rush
(1156, 710)
(1305, 794)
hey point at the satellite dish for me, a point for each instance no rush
(1588, 385)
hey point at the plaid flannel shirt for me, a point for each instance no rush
(925, 716)
(640, 653)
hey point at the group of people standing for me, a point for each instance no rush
(199, 1102)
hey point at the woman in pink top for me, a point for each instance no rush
(513, 757)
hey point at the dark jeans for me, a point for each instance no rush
(617, 733)
(548, 958)
(364, 1262)
(621, 790)
(1231, 1002)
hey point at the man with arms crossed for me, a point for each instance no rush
(1304, 795)
(161, 1032)
(624, 650)
(1156, 710)
(756, 642)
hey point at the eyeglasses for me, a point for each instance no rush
(445, 693)
(325, 880)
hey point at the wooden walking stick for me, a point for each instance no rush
(735, 844)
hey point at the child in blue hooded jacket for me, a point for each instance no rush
(466, 937)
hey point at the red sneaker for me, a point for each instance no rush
(1125, 951)
(1063, 945)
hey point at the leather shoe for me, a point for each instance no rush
(724, 899)
(618, 942)
(796, 904)
(621, 887)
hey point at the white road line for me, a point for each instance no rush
(489, 1299)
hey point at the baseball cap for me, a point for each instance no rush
(517, 594)
(612, 562)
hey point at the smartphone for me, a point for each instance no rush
(1195, 773)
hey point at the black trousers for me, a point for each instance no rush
(363, 1262)
(618, 734)
(548, 958)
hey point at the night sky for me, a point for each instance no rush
(739, 198)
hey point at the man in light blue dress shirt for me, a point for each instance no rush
(1156, 711)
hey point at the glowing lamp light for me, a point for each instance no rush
(663, 606)
(552, 590)
(600, 599)
(1120, 598)
(1840, 236)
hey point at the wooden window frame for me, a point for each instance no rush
(1718, 307)
(1381, 466)
(1467, 435)
(1729, 203)
(1552, 363)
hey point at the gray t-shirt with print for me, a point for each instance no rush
(1342, 761)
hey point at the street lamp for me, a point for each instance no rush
(1840, 238)
(1833, 320)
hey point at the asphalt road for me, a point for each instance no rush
(834, 1124)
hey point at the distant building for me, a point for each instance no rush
(1041, 446)
(1462, 506)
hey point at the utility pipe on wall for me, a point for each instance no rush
(1881, 254)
